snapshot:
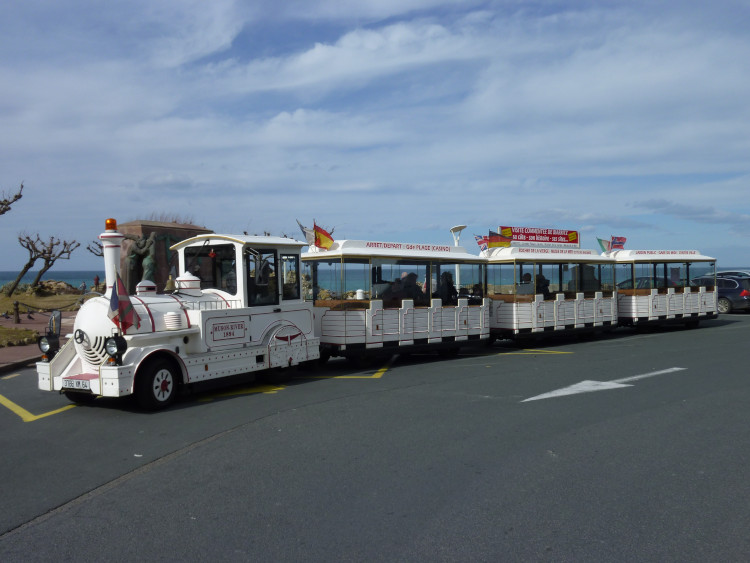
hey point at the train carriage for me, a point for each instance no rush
(549, 289)
(369, 296)
(664, 286)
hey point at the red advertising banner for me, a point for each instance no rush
(531, 236)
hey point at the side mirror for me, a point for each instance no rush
(54, 324)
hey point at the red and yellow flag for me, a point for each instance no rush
(323, 239)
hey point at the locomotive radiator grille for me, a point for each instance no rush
(95, 354)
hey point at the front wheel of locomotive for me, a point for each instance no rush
(156, 384)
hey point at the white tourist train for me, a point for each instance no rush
(246, 304)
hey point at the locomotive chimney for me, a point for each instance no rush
(111, 248)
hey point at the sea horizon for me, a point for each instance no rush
(72, 277)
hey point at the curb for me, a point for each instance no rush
(18, 364)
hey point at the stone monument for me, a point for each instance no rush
(145, 251)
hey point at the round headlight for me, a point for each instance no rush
(44, 344)
(115, 345)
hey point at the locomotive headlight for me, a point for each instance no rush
(48, 345)
(115, 346)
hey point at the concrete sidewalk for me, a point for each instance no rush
(16, 357)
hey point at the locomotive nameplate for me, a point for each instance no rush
(227, 331)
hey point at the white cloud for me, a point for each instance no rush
(392, 117)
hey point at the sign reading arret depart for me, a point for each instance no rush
(532, 236)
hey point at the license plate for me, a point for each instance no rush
(83, 384)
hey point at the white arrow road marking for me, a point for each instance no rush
(589, 386)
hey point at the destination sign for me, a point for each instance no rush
(557, 251)
(408, 246)
(663, 252)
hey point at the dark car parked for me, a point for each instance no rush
(646, 282)
(733, 293)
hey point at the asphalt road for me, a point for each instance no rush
(415, 460)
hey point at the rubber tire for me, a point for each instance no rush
(79, 398)
(724, 305)
(156, 385)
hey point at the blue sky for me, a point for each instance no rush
(385, 119)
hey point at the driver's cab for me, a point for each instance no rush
(248, 271)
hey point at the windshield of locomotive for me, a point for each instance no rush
(215, 265)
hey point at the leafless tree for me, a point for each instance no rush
(38, 249)
(33, 247)
(53, 251)
(9, 199)
(95, 248)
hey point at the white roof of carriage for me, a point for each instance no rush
(658, 256)
(251, 240)
(374, 249)
(544, 254)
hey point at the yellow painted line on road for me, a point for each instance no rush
(377, 375)
(267, 389)
(25, 415)
(531, 351)
(11, 376)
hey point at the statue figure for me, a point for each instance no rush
(141, 257)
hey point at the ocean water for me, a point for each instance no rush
(73, 277)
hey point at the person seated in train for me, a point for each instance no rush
(525, 287)
(542, 286)
(447, 291)
(393, 294)
(412, 290)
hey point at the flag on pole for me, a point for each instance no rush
(323, 239)
(482, 242)
(495, 240)
(604, 244)
(309, 233)
(121, 310)
(617, 243)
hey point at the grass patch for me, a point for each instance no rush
(17, 336)
(33, 303)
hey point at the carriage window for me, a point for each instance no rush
(215, 265)
(701, 273)
(624, 276)
(500, 279)
(262, 283)
(549, 280)
(584, 278)
(356, 279)
(290, 275)
(326, 280)
(607, 277)
(451, 282)
(396, 280)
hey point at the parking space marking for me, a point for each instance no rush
(377, 375)
(266, 389)
(531, 352)
(25, 415)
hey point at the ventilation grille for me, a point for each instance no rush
(95, 355)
